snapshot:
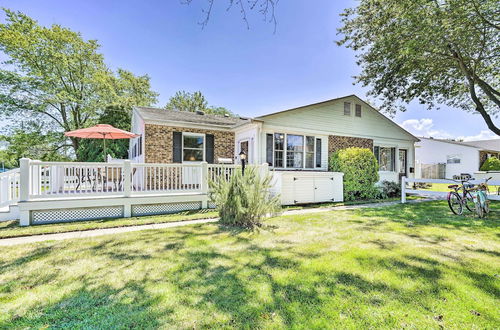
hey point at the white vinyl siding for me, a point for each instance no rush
(329, 119)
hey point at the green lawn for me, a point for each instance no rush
(404, 266)
(12, 229)
(444, 187)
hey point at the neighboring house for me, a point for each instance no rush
(299, 139)
(454, 157)
(488, 148)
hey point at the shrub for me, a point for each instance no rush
(244, 200)
(389, 189)
(491, 164)
(360, 170)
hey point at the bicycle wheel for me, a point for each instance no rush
(487, 206)
(469, 202)
(455, 203)
(479, 208)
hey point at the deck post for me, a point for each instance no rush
(24, 189)
(127, 187)
(403, 189)
(204, 184)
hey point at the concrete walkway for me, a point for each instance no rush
(119, 230)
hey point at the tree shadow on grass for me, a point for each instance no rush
(103, 307)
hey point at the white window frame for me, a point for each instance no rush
(395, 169)
(203, 151)
(350, 109)
(285, 151)
(454, 156)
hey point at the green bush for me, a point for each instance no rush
(244, 200)
(389, 189)
(360, 170)
(491, 164)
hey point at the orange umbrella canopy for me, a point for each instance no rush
(101, 131)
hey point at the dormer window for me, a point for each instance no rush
(358, 110)
(347, 108)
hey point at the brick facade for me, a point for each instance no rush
(336, 142)
(159, 142)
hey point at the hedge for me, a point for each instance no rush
(360, 170)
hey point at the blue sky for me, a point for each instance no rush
(250, 71)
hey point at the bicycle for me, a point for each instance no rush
(481, 202)
(456, 200)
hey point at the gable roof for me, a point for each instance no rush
(493, 144)
(464, 144)
(383, 117)
(164, 115)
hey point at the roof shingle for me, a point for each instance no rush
(157, 114)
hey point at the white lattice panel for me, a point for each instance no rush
(153, 209)
(62, 215)
(211, 205)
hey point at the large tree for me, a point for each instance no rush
(32, 141)
(439, 52)
(185, 101)
(53, 75)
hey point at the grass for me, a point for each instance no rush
(404, 266)
(10, 229)
(444, 187)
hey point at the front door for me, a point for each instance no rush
(403, 153)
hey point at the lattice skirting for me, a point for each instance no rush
(211, 205)
(154, 209)
(78, 214)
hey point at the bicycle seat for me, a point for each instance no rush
(453, 186)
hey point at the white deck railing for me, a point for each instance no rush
(48, 180)
(492, 194)
(9, 187)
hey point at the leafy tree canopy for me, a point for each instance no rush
(53, 75)
(185, 101)
(439, 52)
(32, 141)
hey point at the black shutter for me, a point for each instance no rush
(393, 159)
(177, 152)
(269, 149)
(376, 152)
(318, 152)
(140, 145)
(209, 148)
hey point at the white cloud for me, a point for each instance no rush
(483, 135)
(425, 127)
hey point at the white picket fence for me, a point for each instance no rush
(492, 195)
(9, 187)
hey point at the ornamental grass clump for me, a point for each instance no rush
(244, 200)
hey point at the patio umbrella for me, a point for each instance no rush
(101, 131)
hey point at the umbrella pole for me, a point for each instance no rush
(104, 141)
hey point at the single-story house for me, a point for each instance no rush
(454, 157)
(299, 139)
